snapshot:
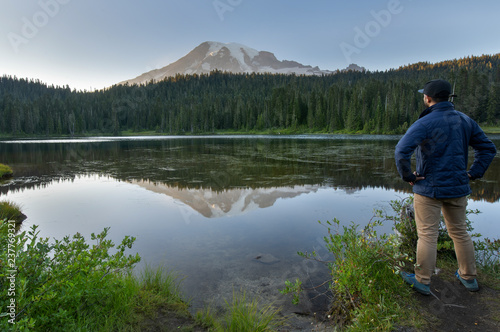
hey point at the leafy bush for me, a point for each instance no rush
(487, 251)
(68, 285)
(488, 256)
(406, 229)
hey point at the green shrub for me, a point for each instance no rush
(64, 286)
(488, 257)
(487, 251)
(405, 227)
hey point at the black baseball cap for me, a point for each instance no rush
(437, 89)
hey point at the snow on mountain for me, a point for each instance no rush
(231, 57)
(231, 202)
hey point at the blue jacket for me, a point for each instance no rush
(441, 137)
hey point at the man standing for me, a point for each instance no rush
(441, 137)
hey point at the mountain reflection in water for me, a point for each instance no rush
(231, 202)
(222, 163)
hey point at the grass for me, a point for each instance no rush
(157, 300)
(241, 315)
(249, 316)
(277, 131)
(5, 171)
(303, 130)
(491, 130)
(11, 211)
(140, 133)
(486, 276)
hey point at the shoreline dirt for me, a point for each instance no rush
(450, 307)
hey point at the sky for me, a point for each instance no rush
(93, 44)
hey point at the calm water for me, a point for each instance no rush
(208, 206)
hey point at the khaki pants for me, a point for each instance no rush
(427, 215)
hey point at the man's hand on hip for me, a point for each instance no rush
(418, 178)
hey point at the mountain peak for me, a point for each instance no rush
(354, 67)
(231, 57)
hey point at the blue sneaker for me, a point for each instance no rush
(470, 285)
(409, 278)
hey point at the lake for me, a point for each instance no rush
(228, 213)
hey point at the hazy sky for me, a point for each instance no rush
(93, 44)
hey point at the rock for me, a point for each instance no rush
(266, 259)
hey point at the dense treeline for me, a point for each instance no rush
(369, 102)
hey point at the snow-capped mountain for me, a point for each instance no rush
(231, 57)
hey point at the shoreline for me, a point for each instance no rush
(271, 132)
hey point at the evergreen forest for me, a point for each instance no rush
(344, 102)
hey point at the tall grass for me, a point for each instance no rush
(241, 315)
(10, 211)
(5, 171)
(249, 316)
